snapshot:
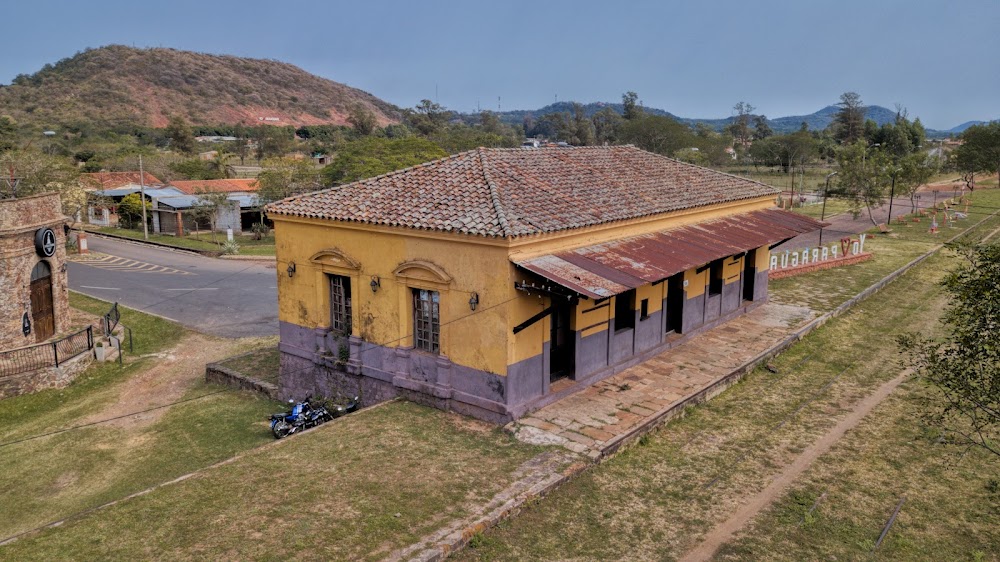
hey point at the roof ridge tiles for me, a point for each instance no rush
(494, 195)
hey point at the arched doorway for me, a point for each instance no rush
(43, 318)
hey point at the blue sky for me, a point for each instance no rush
(939, 59)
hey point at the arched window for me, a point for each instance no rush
(41, 271)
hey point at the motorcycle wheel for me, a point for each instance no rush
(281, 429)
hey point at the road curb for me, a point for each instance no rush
(160, 245)
(240, 257)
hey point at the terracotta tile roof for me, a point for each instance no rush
(111, 180)
(223, 186)
(521, 191)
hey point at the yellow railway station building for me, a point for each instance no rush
(496, 281)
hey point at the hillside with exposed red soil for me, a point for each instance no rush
(122, 86)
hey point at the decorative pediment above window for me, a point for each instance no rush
(335, 258)
(422, 271)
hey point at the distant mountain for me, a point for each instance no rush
(814, 121)
(516, 116)
(118, 85)
(961, 128)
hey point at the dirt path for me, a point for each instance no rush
(174, 372)
(725, 531)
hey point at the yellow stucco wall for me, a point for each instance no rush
(456, 266)
(455, 269)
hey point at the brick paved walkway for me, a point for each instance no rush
(598, 418)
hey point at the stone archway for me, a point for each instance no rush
(43, 317)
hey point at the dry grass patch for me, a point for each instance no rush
(260, 364)
(951, 494)
(67, 450)
(354, 489)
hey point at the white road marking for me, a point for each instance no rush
(102, 288)
(196, 289)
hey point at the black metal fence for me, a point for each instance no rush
(111, 319)
(50, 354)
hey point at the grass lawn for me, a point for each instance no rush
(815, 178)
(260, 364)
(833, 207)
(198, 241)
(49, 477)
(354, 489)
(827, 289)
(951, 497)
(655, 500)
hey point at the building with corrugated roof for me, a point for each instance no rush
(495, 281)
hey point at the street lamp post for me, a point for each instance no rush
(822, 213)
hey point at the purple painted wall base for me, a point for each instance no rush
(319, 362)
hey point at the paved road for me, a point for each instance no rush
(219, 297)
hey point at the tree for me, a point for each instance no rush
(40, 173)
(206, 209)
(372, 156)
(849, 121)
(555, 126)
(630, 106)
(272, 141)
(459, 138)
(364, 121)
(980, 149)
(196, 169)
(286, 177)
(582, 129)
(490, 123)
(657, 133)
(606, 124)
(130, 210)
(219, 164)
(761, 130)
(864, 176)
(740, 127)
(8, 133)
(911, 172)
(180, 135)
(963, 368)
(427, 117)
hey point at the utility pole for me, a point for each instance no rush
(142, 200)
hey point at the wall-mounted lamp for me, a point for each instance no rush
(474, 301)
(376, 283)
(291, 269)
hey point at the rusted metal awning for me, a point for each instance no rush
(607, 269)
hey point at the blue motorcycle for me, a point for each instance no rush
(303, 416)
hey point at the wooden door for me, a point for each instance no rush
(562, 348)
(749, 274)
(43, 320)
(675, 303)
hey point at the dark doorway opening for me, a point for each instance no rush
(562, 343)
(675, 302)
(43, 317)
(749, 274)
